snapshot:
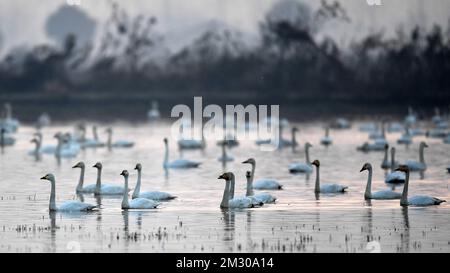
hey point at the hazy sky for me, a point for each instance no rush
(22, 21)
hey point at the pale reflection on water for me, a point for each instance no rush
(297, 223)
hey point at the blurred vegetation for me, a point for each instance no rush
(288, 62)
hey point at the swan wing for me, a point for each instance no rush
(111, 190)
(424, 200)
(415, 165)
(300, 168)
(332, 188)
(265, 197)
(386, 194)
(75, 206)
(240, 202)
(156, 195)
(395, 177)
(266, 184)
(143, 203)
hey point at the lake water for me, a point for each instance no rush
(194, 222)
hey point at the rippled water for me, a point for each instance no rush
(193, 222)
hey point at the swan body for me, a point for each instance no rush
(411, 118)
(178, 163)
(405, 139)
(80, 188)
(417, 132)
(395, 178)
(69, 206)
(326, 140)
(367, 147)
(442, 125)
(418, 165)
(437, 133)
(137, 203)
(302, 167)
(368, 127)
(228, 199)
(395, 127)
(418, 200)
(105, 189)
(326, 188)
(191, 144)
(153, 195)
(153, 113)
(259, 198)
(341, 123)
(262, 184)
(118, 143)
(9, 124)
(6, 140)
(380, 195)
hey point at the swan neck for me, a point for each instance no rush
(94, 130)
(81, 181)
(385, 155)
(125, 203)
(137, 189)
(252, 176)
(52, 205)
(98, 184)
(232, 185)
(225, 197)
(308, 162)
(368, 193)
(166, 154)
(404, 200)
(421, 155)
(317, 185)
(109, 140)
(392, 160)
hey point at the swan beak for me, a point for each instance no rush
(246, 161)
(221, 177)
(363, 169)
(76, 166)
(44, 178)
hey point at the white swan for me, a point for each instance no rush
(385, 164)
(236, 202)
(153, 195)
(340, 123)
(368, 127)
(405, 138)
(80, 188)
(66, 206)
(240, 201)
(262, 197)
(437, 118)
(436, 133)
(262, 184)
(302, 167)
(62, 150)
(9, 123)
(394, 177)
(411, 118)
(288, 143)
(105, 189)
(420, 165)
(395, 127)
(380, 195)
(326, 140)
(178, 163)
(418, 200)
(377, 146)
(326, 188)
(94, 142)
(225, 157)
(37, 148)
(153, 113)
(118, 143)
(137, 203)
(6, 140)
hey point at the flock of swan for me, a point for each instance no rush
(68, 146)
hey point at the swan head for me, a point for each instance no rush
(138, 167)
(226, 176)
(308, 145)
(57, 135)
(366, 167)
(393, 150)
(49, 177)
(34, 140)
(248, 174)
(249, 161)
(79, 165)
(295, 129)
(108, 130)
(166, 140)
(423, 145)
(124, 173)
(316, 163)
(386, 147)
(98, 165)
(403, 168)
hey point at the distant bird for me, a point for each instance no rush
(415, 166)
(262, 184)
(118, 143)
(418, 200)
(105, 189)
(394, 177)
(326, 188)
(80, 186)
(153, 113)
(381, 195)
(137, 203)
(302, 167)
(178, 163)
(69, 206)
(326, 140)
(153, 195)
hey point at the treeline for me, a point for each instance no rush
(289, 61)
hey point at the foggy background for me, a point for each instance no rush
(330, 56)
